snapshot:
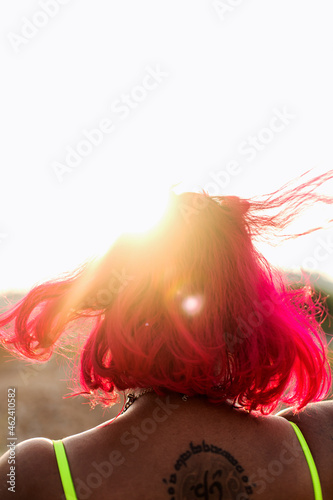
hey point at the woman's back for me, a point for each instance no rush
(167, 448)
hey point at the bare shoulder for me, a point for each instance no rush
(315, 421)
(313, 413)
(316, 424)
(31, 469)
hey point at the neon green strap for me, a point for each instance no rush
(64, 470)
(312, 466)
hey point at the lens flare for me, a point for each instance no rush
(192, 304)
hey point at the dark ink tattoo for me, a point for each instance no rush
(225, 478)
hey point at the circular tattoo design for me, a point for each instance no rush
(225, 478)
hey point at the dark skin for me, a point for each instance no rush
(141, 454)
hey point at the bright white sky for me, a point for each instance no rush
(177, 88)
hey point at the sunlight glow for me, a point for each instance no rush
(145, 212)
(137, 213)
(90, 233)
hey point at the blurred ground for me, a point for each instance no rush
(41, 410)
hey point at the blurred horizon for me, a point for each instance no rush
(320, 282)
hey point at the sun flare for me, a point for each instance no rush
(137, 213)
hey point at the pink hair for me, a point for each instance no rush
(191, 306)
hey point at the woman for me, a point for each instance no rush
(206, 340)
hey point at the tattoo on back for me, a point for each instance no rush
(225, 479)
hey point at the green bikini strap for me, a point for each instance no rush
(312, 466)
(64, 471)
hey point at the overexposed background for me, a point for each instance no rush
(223, 70)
